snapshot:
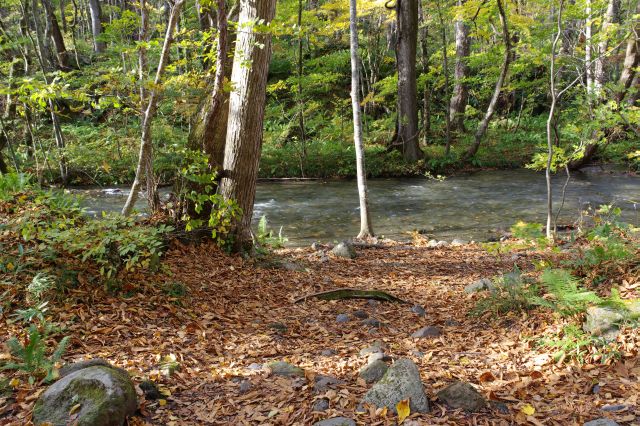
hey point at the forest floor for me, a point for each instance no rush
(236, 313)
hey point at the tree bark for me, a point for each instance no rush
(406, 47)
(366, 229)
(56, 35)
(96, 25)
(484, 124)
(460, 94)
(246, 115)
(426, 94)
(631, 59)
(145, 158)
(611, 16)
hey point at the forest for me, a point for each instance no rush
(319, 212)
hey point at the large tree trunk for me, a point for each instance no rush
(56, 35)
(631, 59)
(426, 94)
(145, 158)
(246, 115)
(484, 124)
(406, 47)
(96, 26)
(460, 90)
(601, 72)
(366, 230)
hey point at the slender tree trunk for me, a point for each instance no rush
(460, 90)
(611, 17)
(484, 124)
(631, 59)
(445, 72)
(56, 35)
(426, 94)
(406, 48)
(588, 50)
(366, 230)
(145, 159)
(96, 26)
(303, 136)
(246, 115)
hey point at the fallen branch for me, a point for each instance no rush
(352, 293)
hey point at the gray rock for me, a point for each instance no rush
(442, 244)
(458, 242)
(480, 285)
(283, 368)
(601, 422)
(500, 407)
(72, 367)
(378, 356)
(278, 326)
(432, 244)
(373, 372)
(451, 323)
(292, 266)
(315, 246)
(462, 395)
(328, 352)
(633, 306)
(345, 250)
(401, 381)
(361, 314)
(336, 421)
(106, 396)
(615, 407)
(429, 331)
(245, 386)
(150, 390)
(377, 346)
(321, 405)
(371, 322)
(602, 321)
(342, 318)
(419, 310)
(324, 383)
(254, 366)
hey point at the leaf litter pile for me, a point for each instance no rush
(204, 328)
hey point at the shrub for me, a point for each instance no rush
(510, 294)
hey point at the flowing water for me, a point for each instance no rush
(472, 206)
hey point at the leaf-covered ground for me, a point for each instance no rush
(234, 310)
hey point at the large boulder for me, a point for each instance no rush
(462, 395)
(401, 381)
(97, 395)
(602, 321)
(374, 371)
(344, 249)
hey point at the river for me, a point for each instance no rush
(470, 206)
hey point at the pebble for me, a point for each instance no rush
(372, 322)
(245, 386)
(417, 309)
(429, 331)
(342, 318)
(328, 352)
(321, 405)
(361, 314)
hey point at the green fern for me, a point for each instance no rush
(569, 298)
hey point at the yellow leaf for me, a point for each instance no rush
(9, 266)
(14, 382)
(162, 402)
(403, 410)
(528, 410)
(75, 409)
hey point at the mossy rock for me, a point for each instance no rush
(98, 395)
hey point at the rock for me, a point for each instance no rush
(150, 390)
(321, 405)
(442, 244)
(283, 368)
(429, 331)
(292, 266)
(432, 244)
(345, 250)
(245, 386)
(373, 372)
(602, 321)
(417, 354)
(342, 318)
(458, 242)
(328, 352)
(372, 303)
(378, 356)
(72, 367)
(371, 322)
(315, 246)
(633, 306)
(376, 346)
(361, 314)
(336, 421)
(500, 407)
(278, 326)
(601, 422)
(324, 383)
(401, 381)
(419, 310)
(254, 366)
(615, 407)
(106, 396)
(462, 395)
(480, 285)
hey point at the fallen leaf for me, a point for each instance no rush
(403, 409)
(528, 410)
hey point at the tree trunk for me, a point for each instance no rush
(460, 95)
(406, 47)
(96, 26)
(145, 159)
(631, 59)
(611, 16)
(56, 35)
(246, 115)
(209, 129)
(366, 229)
(426, 106)
(484, 124)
